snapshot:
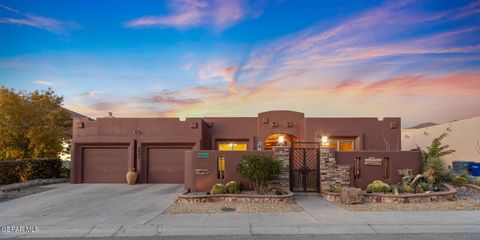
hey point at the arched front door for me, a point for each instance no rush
(278, 139)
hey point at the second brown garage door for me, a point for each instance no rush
(166, 164)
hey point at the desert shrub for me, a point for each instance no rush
(12, 171)
(434, 170)
(378, 186)
(336, 188)
(458, 180)
(477, 182)
(218, 189)
(233, 187)
(259, 170)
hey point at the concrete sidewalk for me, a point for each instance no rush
(105, 210)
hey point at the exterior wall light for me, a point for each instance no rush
(324, 140)
(281, 140)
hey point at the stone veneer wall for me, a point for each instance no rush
(330, 172)
(283, 182)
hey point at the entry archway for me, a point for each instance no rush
(278, 139)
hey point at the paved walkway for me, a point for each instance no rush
(104, 210)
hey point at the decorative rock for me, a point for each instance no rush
(351, 195)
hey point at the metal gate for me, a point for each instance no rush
(305, 167)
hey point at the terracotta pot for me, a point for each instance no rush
(131, 176)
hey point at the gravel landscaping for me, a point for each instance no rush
(231, 207)
(21, 192)
(458, 205)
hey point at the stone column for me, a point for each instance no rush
(330, 172)
(283, 154)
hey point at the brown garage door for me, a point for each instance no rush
(166, 164)
(104, 164)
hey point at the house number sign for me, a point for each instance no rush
(202, 171)
(372, 161)
(203, 155)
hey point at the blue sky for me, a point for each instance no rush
(415, 59)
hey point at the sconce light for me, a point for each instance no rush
(449, 129)
(281, 140)
(324, 140)
(425, 133)
(406, 136)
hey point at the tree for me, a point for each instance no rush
(32, 125)
(436, 149)
(259, 170)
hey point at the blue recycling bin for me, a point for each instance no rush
(475, 169)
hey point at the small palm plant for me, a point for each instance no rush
(434, 170)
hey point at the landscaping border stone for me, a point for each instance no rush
(472, 188)
(449, 195)
(32, 183)
(246, 198)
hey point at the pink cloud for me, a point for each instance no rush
(195, 13)
(48, 24)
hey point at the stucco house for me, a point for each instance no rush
(202, 151)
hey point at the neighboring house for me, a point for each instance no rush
(463, 137)
(169, 150)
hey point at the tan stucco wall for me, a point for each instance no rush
(462, 138)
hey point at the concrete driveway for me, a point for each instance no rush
(111, 210)
(75, 210)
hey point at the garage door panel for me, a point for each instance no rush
(166, 165)
(104, 164)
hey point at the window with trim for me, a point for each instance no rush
(221, 167)
(342, 144)
(232, 146)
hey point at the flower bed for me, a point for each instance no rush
(245, 197)
(448, 195)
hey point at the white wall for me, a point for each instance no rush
(463, 136)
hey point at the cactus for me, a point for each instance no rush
(233, 187)
(378, 186)
(409, 189)
(424, 186)
(218, 189)
(336, 188)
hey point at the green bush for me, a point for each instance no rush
(458, 180)
(233, 187)
(378, 186)
(13, 171)
(218, 189)
(65, 172)
(477, 182)
(259, 170)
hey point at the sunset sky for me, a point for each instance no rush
(419, 60)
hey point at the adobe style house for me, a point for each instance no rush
(202, 151)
